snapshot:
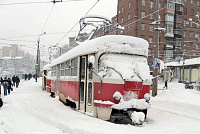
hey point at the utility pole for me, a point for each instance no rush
(156, 56)
(37, 65)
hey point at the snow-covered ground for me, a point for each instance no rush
(29, 110)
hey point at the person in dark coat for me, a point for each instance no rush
(1, 80)
(17, 81)
(165, 85)
(14, 80)
(1, 102)
(9, 85)
(5, 86)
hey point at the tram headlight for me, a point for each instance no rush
(147, 97)
(117, 96)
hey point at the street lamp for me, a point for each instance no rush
(37, 65)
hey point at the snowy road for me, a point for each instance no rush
(29, 110)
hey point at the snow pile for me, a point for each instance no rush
(126, 67)
(137, 117)
(132, 103)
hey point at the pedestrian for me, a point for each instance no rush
(1, 80)
(26, 76)
(14, 80)
(9, 85)
(17, 81)
(5, 86)
(165, 85)
(1, 102)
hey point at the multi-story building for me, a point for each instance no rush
(11, 51)
(180, 37)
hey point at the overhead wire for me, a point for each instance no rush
(47, 18)
(23, 3)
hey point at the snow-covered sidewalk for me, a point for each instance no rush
(29, 110)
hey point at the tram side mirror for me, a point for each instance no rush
(91, 61)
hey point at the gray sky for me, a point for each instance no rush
(23, 23)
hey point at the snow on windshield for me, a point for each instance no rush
(121, 66)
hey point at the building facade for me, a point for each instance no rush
(179, 38)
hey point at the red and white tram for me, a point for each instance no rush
(107, 77)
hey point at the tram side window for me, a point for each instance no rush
(74, 64)
(62, 69)
(53, 71)
(67, 69)
(89, 93)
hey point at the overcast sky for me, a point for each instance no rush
(22, 24)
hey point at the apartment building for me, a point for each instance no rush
(179, 40)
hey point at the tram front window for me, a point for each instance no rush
(124, 66)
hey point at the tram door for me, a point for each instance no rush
(86, 87)
(57, 78)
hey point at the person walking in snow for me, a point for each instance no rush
(5, 86)
(14, 80)
(165, 85)
(17, 81)
(9, 85)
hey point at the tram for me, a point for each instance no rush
(107, 77)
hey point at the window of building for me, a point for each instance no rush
(191, 24)
(198, 13)
(151, 16)
(129, 5)
(122, 9)
(191, 12)
(129, 16)
(184, 34)
(142, 26)
(179, 18)
(191, 34)
(151, 4)
(191, 2)
(142, 36)
(170, 5)
(197, 46)
(185, 10)
(122, 20)
(169, 17)
(150, 39)
(142, 14)
(185, 22)
(185, 1)
(129, 29)
(169, 29)
(160, 5)
(151, 28)
(198, 2)
(143, 2)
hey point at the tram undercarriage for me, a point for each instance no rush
(125, 116)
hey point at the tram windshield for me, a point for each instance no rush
(124, 66)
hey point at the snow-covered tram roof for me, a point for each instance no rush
(46, 67)
(108, 43)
